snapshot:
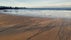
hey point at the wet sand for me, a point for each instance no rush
(29, 28)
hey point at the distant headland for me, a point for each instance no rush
(6, 7)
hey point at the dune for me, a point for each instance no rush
(31, 28)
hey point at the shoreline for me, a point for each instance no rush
(40, 14)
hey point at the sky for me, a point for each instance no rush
(36, 3)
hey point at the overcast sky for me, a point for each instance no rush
(36, 3)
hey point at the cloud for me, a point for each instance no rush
(35, 3)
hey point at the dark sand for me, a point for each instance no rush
(29, 28)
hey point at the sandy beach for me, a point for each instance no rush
(30, 28)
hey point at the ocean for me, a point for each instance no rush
(38, 13)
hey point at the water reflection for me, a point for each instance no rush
(39, 13)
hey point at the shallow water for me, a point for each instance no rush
(39, 13)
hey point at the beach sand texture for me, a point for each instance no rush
(30, 28)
